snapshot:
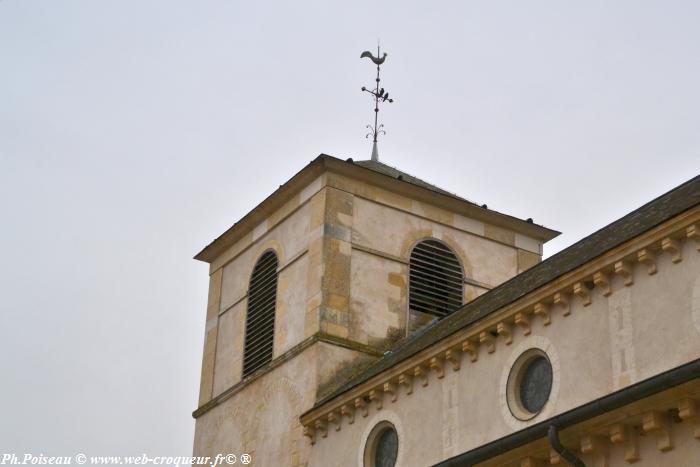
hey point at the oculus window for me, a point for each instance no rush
(382, 447)
(529, 384)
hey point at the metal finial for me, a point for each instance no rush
(380, 95)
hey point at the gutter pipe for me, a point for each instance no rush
(615, 400)
(567, 455)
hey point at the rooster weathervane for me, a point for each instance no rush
(380, 95)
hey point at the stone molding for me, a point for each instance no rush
(277, 361)
(384, 416)
(552, 301)
(405, 261)
(218, 253)
(632, 430)
(544, 345)
(280, 269)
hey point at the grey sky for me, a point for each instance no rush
(134, 132)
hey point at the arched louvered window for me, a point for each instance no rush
(436, 281)
(260, 320)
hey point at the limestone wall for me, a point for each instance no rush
(371, 233)
(343, 249)
(262, 418)
(290, 239)
(650, 325)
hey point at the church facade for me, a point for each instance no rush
(360, 316)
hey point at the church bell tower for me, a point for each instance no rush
(342, 262)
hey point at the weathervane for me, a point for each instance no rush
(379, 96)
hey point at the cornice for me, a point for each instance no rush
(277, 361)
(325, 163)
(494, 331)
(444, 201)
(639, 427)
(262, 211)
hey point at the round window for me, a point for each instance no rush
(382, 446)
(529, 384)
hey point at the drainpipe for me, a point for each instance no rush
(567, 455)
(637, 391)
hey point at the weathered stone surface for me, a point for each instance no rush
(343, 244)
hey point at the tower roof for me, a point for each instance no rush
(393, 172)
(378, 174)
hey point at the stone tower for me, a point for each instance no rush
(313, 284)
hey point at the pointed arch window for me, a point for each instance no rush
(260, 319)
(436, 280)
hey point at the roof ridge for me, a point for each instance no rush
(426, 184)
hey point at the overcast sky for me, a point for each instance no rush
(132, 133)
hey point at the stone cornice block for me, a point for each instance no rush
(504, 330)
(420, 373)
(561, 300)
(554, 457)
(348, 412)
(542, 310)
(310, 432)
(687, 409)
(487, 340)
(671, 246)
(647, 258)
(581, 291)
(523, 322)
(407, 381)
(361, 405)
(454, 356)
(592, 444)
(437, 365)
(624, 270)
(321, 427)
(602, 281)
(627, 437)
(688, 412)
(654, 422)
(539, 304)
(390, 388)
(377, 396)
(472, 349)
(693, 233)
(334, 420)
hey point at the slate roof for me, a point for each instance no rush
(247, 222)
(661, 209)
(393, 172)
(545, 233)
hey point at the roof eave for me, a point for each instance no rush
(684, 198)
(325, 162)
(210, 252)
